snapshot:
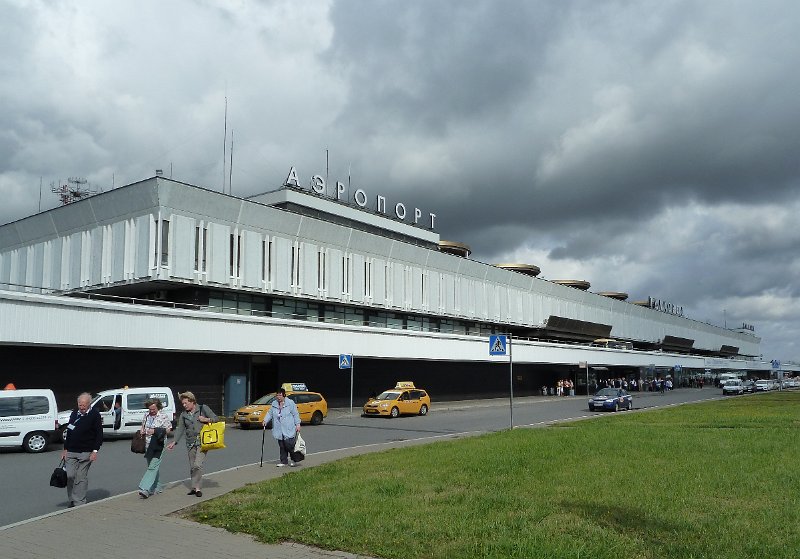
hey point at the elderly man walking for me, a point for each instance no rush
(84, 438)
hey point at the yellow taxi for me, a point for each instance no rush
(404, 398)
(311, 406)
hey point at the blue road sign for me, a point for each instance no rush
(497, 345)
(345, 360)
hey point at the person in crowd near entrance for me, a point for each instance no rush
(190, 422)
(155, 426)
(118, 412)
(285, 425)
(84, 438)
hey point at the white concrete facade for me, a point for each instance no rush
(163, 230)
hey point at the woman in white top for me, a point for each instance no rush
(155, 426)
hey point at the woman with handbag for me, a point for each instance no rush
(190, 423)
(285, 425)
(155, 426)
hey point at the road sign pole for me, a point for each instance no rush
(510, 383)
(352, 366)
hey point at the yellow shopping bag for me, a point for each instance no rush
(212, 436)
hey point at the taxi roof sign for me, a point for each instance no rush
(405, 384)
(294, 386)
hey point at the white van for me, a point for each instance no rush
(123, 409)
(28, 419)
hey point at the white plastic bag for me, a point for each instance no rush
(300, 445)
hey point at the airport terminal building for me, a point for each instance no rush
(162, 282)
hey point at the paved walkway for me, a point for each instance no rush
(127, 527)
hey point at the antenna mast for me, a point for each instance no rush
(72, 190)
(224, 142)
(230, 170)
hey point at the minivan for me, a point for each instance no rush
(123, 409)
(28, 418)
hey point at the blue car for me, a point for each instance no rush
(611, 399)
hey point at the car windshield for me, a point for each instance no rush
(264, 400)
(607, 392)
(388, 395)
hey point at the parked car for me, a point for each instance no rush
(403, 399)
(763, 385)
(611, 399)
(311, 406)
(28, 419)
(123, 409)
(749, 386)
(732, 386)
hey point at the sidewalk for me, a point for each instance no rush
(127, 527)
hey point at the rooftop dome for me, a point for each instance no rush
(527, 269)
(618, 295)
(452, 247)
(577, 284)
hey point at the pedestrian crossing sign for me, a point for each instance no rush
(345, 360)
(497, 345)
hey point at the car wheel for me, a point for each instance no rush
(591, 408)
(63, 434)
(244, 426)
(395, 412)
(316, 418)
(630, 406)
(35, 442)
(616, 406)
(423, 410)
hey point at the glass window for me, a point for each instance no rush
(334, 313)
(136, 401)
(106, 403)
(229, 303)
(10, 407)
(259, 306)
(215, 302)
(164, 242)
(283, 308)
(413, 323)
(245, 304)
(313, 312)
(354, 316)
(394, 320)
(34, 405)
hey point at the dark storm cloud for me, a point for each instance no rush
(647, 147)
(704, 108)
(420, 65)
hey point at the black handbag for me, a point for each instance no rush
(59, 477)
(138, 443)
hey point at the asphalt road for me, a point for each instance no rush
(24, 484)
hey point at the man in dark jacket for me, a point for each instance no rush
(84, 438)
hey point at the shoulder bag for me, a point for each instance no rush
(59, 476)
(212, 435)
(138, 443)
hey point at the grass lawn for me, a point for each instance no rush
(717, 479)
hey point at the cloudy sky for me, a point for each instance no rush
(648, 147)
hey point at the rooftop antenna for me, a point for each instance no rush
(349, 165)
(40, 193)
(72, 189)
(224, 142)
(230, 170)
(327, 169)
